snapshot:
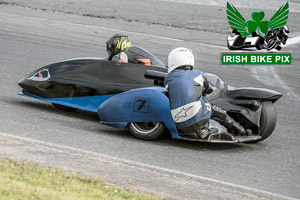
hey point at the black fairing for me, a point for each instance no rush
(254, 93)
(243, 104)
(87, 77)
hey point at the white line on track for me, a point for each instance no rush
(90, 26)
(282, 84)
(110, 29)
(139, 164)
(263, 77)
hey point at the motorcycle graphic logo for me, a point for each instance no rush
(264, 34)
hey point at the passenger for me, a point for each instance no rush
(117, 44)
(119, 49)
(186, 88)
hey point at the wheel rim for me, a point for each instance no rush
(144, 127)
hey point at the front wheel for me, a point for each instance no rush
(268, 120)
(147, 130)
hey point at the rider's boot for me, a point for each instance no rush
(229, 123)
(200, 128)
(204, 132)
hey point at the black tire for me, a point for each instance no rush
(147, 130)
(64, 108)
(278, 48)
(259, 43)
(258, 47)
(268, 120)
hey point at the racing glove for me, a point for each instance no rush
(207, 87)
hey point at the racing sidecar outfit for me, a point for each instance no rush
(185, 92)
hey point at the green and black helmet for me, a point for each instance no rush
(116, 44)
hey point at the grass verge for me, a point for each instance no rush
(20, 180)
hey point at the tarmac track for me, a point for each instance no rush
(34, 35)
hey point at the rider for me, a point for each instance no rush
(119, 49)
(186, 88)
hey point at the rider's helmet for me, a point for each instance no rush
(286, 30)
(116, 44)
(180, 58)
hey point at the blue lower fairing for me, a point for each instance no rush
(89, 103)
(139, 105)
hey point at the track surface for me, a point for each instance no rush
(33, 35)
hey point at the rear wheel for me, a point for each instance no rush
(147, 130)
(258, 47)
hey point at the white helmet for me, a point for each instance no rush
(286, 30)
(180, 57)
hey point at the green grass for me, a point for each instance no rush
(27, 181)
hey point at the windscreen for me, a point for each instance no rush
(139, 55)
(214, 80)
